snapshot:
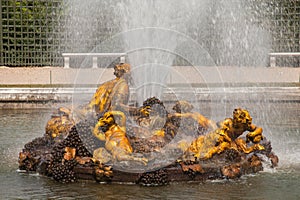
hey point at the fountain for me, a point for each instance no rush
(101, 144)
(109, 139)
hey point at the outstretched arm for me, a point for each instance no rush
(255, 134)
(243, 146)
(203, 121)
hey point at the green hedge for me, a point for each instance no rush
(27, 32)
(31, 30)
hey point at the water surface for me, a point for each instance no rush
(279, 120)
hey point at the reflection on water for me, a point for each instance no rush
(279, 120)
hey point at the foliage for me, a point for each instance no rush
(31, 29)
(27, 26)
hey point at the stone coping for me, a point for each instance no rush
(178, 75)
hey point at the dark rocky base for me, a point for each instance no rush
(178, 172)
(46, 157)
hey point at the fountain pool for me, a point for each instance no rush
(20, 126)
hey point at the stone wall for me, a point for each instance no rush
(179, 75)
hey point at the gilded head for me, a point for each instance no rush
(121, 69)
(241, 116)
(106, 120)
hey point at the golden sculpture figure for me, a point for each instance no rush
(226, 137)
(153, 122)
(58, 126)
(114, 135)
(111, 95)
(114, 94)
(184, 110)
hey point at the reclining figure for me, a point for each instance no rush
(114, 135)
(226, 137)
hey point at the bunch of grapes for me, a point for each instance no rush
(90, 142)
(59, 168)
(155, 178)
(152, 101)
(36, 143)
(32, 153)
(232, 155)
(156, 105)
(63, 172)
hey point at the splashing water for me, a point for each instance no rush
(156, 35)
(159, 34)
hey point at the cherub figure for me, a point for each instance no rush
(226, 136)
(61, 122)
(163, 126)
(114, 135)
(153, 117)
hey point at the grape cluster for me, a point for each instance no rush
(156, 105)
(232, 155)
(57, 155)
(36, 143)
(191, 173)
(59, 168)
(151, 101)
(267, 145)
(84, 131)
(75, 141)
(32, 152)
(63, 172)
(155, 178)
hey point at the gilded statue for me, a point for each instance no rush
(58, 127)
(113, 94)
(114, 135)
(226, 136)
